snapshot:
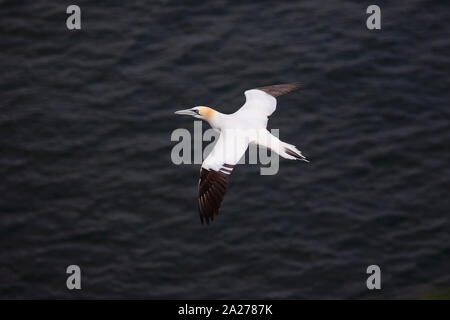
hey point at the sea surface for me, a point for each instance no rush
(86, 176)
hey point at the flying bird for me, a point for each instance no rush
(247, 125)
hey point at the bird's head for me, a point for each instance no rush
(200, 112)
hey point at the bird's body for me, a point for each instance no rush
(237, 130)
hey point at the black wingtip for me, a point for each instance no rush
(295, 154)
(212, 188)
(280, 89)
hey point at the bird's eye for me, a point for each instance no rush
(196, 111)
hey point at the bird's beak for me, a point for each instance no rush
(187, 112)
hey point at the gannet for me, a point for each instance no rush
(237, 130)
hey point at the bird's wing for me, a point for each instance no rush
(261, 102)
(215, 171)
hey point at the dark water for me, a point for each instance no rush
(86, 175)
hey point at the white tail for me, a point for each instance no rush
(290, 151)
(286, 150)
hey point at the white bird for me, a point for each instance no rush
(237, 130)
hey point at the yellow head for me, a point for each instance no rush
(199, 112)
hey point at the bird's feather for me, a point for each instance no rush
(211, 190)
(215, 171)
(261, 102)
(279, 89)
